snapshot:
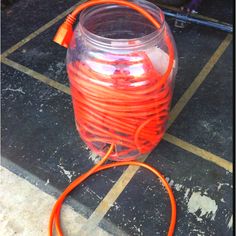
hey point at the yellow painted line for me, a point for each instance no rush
(109, 200)
(227, 165)
(39, 31)
(179, 106)
(36, 75)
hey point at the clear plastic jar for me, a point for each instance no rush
(121, 71)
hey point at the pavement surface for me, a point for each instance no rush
(41, 146)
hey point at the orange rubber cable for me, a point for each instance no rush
(132, 119)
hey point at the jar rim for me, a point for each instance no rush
(137, 42)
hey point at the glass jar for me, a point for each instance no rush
(121, 70)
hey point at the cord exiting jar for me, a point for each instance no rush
(121, 71)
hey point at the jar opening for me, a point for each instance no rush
(120, 26)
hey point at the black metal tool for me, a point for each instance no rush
(183, 17)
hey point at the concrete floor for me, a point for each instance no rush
(25, 209)
(42, 148)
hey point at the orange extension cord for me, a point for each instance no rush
(108, 109)
(121, 116)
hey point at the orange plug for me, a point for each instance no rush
(65, 32)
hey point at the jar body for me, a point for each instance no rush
(121, 71)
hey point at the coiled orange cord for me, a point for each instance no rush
(130, 118)
(111, 109)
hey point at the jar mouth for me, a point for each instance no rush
(119, 27)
